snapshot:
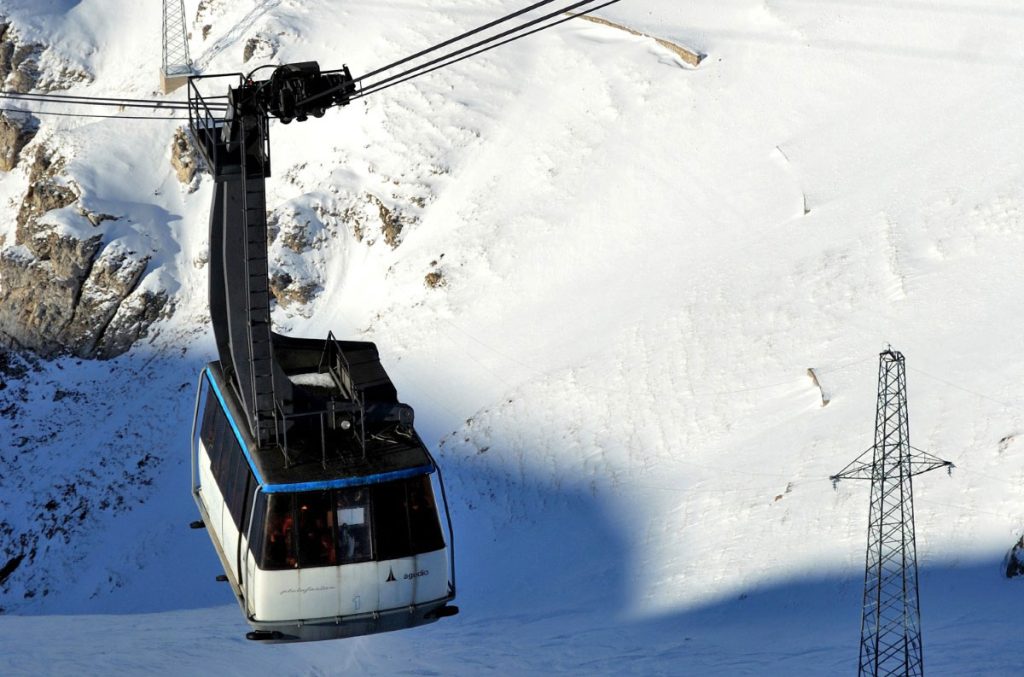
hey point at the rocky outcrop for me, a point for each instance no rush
(390, 223)
(20, 69)
(290, 236)
(434, 278)
(185, 159)
(62, 290)
(206, 12)
(46, 191)
(299, 232)
(131, 322)
(1015, 560)
(287, 290)
(369, 214)
(263, 47)
(19, 63)
(16, 132)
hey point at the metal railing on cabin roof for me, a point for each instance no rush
(352, 411)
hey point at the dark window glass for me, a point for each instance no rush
(243, 490)
(224, 446)
(226, 476)
(216, 447)
(228, 463)
(316, 529)
(424, 528)
(208, 428)
(352, 517)
(213, 426)
(405, 519)
(259, 532)
(390, 521)
(279, 548)
(235, 484)
(246, 486)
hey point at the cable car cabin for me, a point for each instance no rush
(334, 531)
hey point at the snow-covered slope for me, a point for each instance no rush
(639, 263)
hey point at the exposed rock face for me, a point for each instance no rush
(63, 292)
(207, 11)
(299, 232)
(1015, 560)
(203, 10)
(19, 68)
(134, 315)
(263, 47)
(287, 290)
(46, 192)
(184, 159)
(250, 48)
(16, 131)
(434, 278)
(390, 221)
(291, 236)
(19, 65)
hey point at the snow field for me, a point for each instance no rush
(614, 372)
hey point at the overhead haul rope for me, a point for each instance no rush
(99, 100)
(89, 115)
(449, 59)
(463, 36)
(107, 102)
(484, 46)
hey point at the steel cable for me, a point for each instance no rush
(484, 46)
(88, 115)
(450, 41)
(449, 58)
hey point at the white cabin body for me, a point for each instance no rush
(327, 558)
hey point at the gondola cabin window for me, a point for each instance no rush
(227, 463)
(352, 512)
(280, 550)
(317, 532)
(345, 526)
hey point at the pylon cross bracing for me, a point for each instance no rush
(177, 65)
(890, 642)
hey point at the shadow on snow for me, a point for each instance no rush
(544, 577)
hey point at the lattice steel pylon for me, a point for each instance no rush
(890, 636)
(177, 65)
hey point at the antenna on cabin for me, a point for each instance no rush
(890, 637)
(177, 66)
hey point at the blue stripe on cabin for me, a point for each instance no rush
(343, 482)
(339, 483)
(238, 433)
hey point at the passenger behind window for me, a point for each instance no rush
(316, 547)
(279, 548)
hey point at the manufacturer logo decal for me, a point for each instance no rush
(391, 576)
(322, 588)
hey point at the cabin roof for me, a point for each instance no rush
(320, 458)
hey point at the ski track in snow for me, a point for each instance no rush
(614, 371)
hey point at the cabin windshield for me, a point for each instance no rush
(345, 526)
